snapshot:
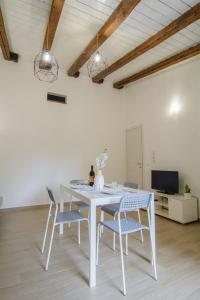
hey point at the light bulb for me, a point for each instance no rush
(175, 107)
(46, 56)
(97, 57)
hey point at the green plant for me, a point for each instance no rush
(187, 188)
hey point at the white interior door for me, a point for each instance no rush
(134, 157)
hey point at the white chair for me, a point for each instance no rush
(112, 210)
(129, 225)
(58, 218)
(79, 204)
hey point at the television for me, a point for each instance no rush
(165, 181)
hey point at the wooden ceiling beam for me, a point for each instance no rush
(181, 56)
(7, 54)
(122, 11)
(178, 24)
(55, 13)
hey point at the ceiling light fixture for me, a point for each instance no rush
(97, 62)
(45, 65)
(97, 56)
(46, 56)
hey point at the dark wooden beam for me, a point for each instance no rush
(56, 9)
(7, 54)
(181, 56)
(180, 23)
(122, 11)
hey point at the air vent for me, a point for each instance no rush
(56, 98)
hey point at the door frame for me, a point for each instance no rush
(142, 146)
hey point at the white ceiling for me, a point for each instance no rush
(26, 23)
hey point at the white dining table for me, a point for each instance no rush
(94, 199)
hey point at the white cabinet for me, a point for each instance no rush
(176, 207)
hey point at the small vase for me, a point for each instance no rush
(99, 181)
(187, 196)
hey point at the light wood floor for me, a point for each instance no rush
(22, 276)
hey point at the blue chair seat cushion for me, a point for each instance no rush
(128, 225)
(111, 209)
(69, 217)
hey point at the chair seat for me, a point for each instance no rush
(69, 217)
(81, 205)
(111, 209)
(128, 225)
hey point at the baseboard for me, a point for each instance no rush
(29, 207)
(20, 208)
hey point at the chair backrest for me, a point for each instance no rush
(51, 196)
(135, 201)
(131, 185)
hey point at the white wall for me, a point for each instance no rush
(173, 138)
(43, 143)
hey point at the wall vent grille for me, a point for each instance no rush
(56, 98)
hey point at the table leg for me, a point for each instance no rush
(70, 207)
(92, 245)
(152, 231)
(61, 206)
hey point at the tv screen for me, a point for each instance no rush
(165, 181)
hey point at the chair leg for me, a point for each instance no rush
(126, 237)
(141, 232)
(79, 232)
(122, 263)
(98, 238)
(50, 245)
(114, 238)
(46, 229)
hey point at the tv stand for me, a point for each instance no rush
(164, 192)
(176, 207)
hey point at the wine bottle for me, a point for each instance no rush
(91, 177)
